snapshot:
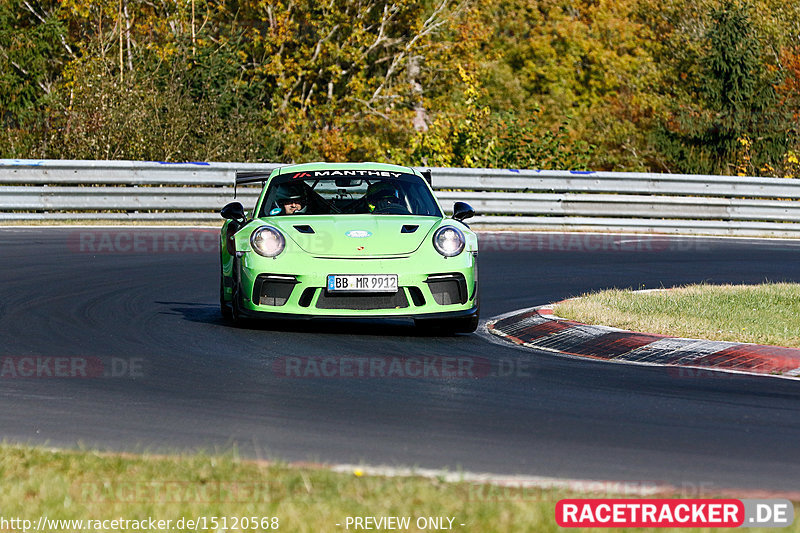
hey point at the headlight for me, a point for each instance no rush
(267, 241)
(449, 241)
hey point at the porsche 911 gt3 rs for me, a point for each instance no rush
(358, 240)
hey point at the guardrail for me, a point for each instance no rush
(54, 190)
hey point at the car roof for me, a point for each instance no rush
(346, 166)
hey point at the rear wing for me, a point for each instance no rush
(243, 178)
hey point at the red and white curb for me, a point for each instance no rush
(539, 328)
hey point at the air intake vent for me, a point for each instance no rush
(416, 296)
(304, 228)
(448, 289)
(397, 300)
(270, 289)
(409, 228)
(306, 297)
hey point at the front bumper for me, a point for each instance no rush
(438, 288)
(272, 315)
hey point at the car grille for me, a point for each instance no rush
(397, 300)
(448, 288)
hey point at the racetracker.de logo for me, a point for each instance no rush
(657, 513)
(41, 367)
(150, 241)
(553, 492)
(172, 492)
(382, 367)
(516, 241)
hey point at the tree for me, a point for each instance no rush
(33, 50)
(725, 118)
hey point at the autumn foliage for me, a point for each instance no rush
(708, 86)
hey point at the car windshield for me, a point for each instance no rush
(331, 192)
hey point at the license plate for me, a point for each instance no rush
(362, 283)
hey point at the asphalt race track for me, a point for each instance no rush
(200, 383)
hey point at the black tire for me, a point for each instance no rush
(237, 315)
(236, 297)
(236, 312)
(224, 307)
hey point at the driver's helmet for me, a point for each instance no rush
(291, 193)
(381, 194)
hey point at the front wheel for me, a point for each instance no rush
(224, 307)
(236, 309)
(235, 306)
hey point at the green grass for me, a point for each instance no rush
(86, 485)
(761, 314)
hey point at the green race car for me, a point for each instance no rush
(349, 240)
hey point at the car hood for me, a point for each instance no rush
(355, 235)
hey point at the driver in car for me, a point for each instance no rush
(383, 197)
(293, 201)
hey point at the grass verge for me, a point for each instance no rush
(83, 485)
(761, 314)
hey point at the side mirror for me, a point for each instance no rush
(233, 211)
(462, 210)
